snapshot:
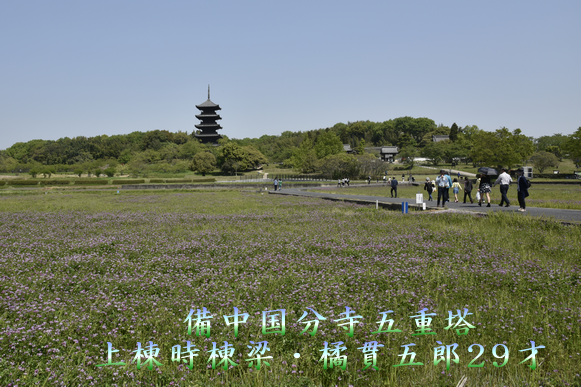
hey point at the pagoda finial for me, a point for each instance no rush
(208, 91)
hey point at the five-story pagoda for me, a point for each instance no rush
(208, 124)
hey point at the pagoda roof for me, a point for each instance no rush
(208, 104)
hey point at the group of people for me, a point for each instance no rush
(343, 182)
(444, 182)
(277, 184)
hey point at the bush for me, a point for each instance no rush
(2, 182)
(78, 172)
(178, 181)
(91, 182)
(129, 181)
(23, 182)
(33, 172)
(98, 172)
(110, 172)
(207, 180)
(157, 180)
(55, 182)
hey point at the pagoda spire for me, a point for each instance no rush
(208, 91)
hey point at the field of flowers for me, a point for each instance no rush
(79, 270)
(566, 197)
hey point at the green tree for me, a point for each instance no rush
(98, 172)
(78, 172)
(361, 148)
(203, 162)
(501, 148)
(556, 150)
(110, 172)
(304, 158)
(254, 158)
(328, 143)
(573, 147)
(543, 160)
(454, 132)
(408, 154)
(33, 172)
(339, 166)
(232, 158)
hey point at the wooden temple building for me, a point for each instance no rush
(208, 125)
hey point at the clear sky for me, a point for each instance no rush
(86, 68)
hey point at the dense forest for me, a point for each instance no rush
(309, 151)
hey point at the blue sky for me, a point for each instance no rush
(86, 68)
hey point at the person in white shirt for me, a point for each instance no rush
(443, 185)
(504, 180)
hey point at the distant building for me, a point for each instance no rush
(208, 124)
(347, 148)
(439, 138)
(388, 153)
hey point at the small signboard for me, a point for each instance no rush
(419, 198)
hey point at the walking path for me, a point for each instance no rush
(548, 213)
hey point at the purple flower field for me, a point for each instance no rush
(83, 269)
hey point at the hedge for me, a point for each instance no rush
(129, 181)
(178, 181)
(91, 182)
(55, 182)
(206, 180)
(23, 182)
(157, 180)
(2, 182)
(559, 176)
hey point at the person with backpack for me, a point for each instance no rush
(428, 187)
(522, 188)
(394, 187)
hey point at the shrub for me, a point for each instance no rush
(110, 172)
(78, 172)
(130, 181)
(55, 182)
(91, 182)
(33, 172)
(98, 172)
(157, 180)
(23, 182)
(2, 182)
(207, 180)
(178, 181)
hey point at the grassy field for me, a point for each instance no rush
(86, 268)
(546, 196)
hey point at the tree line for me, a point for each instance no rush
(319, 150)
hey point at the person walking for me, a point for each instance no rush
(522, 188)
(428, 187)
(468, 189)
(456, 189)
(504, 180)
(275, 184)
(394, 184)
(484, 188)
(280, 185)
(443, 185)
(447, 193)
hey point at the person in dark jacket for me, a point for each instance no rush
(394, 187)
(429, 187)
(468, 189)
(484, 189)
(523, 189)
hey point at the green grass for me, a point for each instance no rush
(100, 266)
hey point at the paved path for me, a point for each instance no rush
(562, 215)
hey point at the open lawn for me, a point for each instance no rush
(546, 196)
(80, 269)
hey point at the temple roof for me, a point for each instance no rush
(208, 104)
